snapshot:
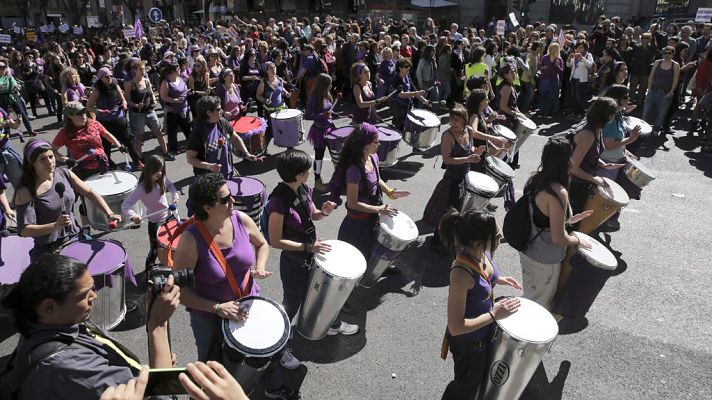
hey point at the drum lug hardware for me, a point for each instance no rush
(606, 207)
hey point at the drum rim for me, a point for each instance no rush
(595, 262)
(89, 181)
(413, 111)
(276, 114)
(510, 139)
(524, 340)
(406, 240)
(636, 164)
(114, 241)
(473, 189)
(261, 353)
(316, 265)
(612, 184)
(500, 162)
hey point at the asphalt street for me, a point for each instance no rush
(647, 335)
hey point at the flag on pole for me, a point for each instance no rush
(138, 27)
(562, 37)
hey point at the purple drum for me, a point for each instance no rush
(109, 267)
(14, 258)
(287, 128)
(388, 149)
(335, 141)
(250, 195)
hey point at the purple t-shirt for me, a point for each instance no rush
(210, 280)
(354, 174)
(291, 216)
(177, 89)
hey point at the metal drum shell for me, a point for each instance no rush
(95, 215)
(388, 148)
(381, 259)
(477, 198)
(421, 137)
(391, 241)
(640, 175)
(287, 127)
(499, 170)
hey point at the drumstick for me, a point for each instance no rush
(90, 153)
(221, 143)
(127, 167)
(338, 97)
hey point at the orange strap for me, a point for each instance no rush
(471, 263)
(238, 291)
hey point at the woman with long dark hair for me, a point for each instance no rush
(547, 191)
(427, 73)
(477, 105)
(403, 101)
(250, 70)
(198, 83)
(471, 309)
(174, 94)
(366, 101)
(108, 103)
(319, 110)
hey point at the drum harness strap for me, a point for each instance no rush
(299, 202)
(469, 265)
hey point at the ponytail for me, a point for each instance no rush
(467, 229)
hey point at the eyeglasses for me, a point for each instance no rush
(226, 199)
(667, 52)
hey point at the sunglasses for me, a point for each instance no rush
(667, 52)
(226, 199)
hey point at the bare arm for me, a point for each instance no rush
(258, 242)
(584, 140)
(557, 217)
(276, 223)
(457, 324)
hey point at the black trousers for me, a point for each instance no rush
(470, 368)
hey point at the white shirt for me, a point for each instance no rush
(581, 70)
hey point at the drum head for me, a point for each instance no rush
(631, 122)
(500, 167)
(614, 192)
(249, 125)
(532, 323)
(101, 256)
(113, 182)
(163, 234)
(504, 132)
(264, 333)
(528, 123)
(343, 261)
(599, 254)
(399, 226)
(641, 167)
(287, 113)
(340, 132)
(14, 257)
(480, 183)
(388, 135)
(245, 187)
(424, 118)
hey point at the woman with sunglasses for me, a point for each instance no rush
(31, 73)
(403, 101)
(41, 212)
(221, 280)
(204, 151)
(198, 83)
(108, 103)
(250, 70)
(229, 94)
(84, 69)
(174, 94)
(271, 93)
(662, 83)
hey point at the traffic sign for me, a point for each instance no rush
(155, 15)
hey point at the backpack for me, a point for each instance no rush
(297, 202)
(517, 226)
(17, 369)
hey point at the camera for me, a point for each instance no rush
(158, 275)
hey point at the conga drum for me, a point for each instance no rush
(110, 267)
(583, 275)
(499, 170)
(638, 173)
(252, 132)
(525, 128)
(509, 137)
(249, 345)
(518, 346)
(479, 190)
(604, 202)
(331, 279)
(645, 131)
(394, 235)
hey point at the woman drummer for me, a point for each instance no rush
(44, 214)
(221, 280)
(506, 100)
(209, 129)
(319, 110)
(358, 177)
(615, 142)
(403, 101)
(458, 153)
(548, 191)
(271, 94)
(229, 94)
(477, 105)
(588, 146)
(471, 309)
(366, 101)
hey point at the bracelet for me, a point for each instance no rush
(390, 195)
(216, 308)
(491, 315)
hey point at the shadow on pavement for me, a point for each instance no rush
(402, 170)
(335, 348)
(539, 387)
(701, 161)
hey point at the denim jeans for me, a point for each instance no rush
(656, 107)
(549, 96)
(526, 97)
(445, 90)
(11, 165)
(208, 330)
(579, 96)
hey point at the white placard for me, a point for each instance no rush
(129, 33)
(500, 27)
(78, 31)
(704, 15)
(513, 19)
(5, 38)
(64, 28)
(102, 3)
(17, 29)
(93, 21)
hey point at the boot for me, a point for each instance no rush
(320, 186)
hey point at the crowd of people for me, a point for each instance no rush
(104, 92)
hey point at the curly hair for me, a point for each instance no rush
(204, 192)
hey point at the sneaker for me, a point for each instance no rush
(344, 329)
(288, 360)
(169, 157)
(284, 392)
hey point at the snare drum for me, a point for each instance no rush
(479, 190)
(604, 202)
(252, 133)
(250, 195)
(14, 258)
(583, 275)
(524, 129)
(114, 187)
(499, 170)
(421, 129)
(519, 344)
(331, 279)
(394, 235)
(249, 345)
(388, 148)
(287, 127)
(506, 134)
(631, 122)
(335, 140)
(110, 267)
(638, 173)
